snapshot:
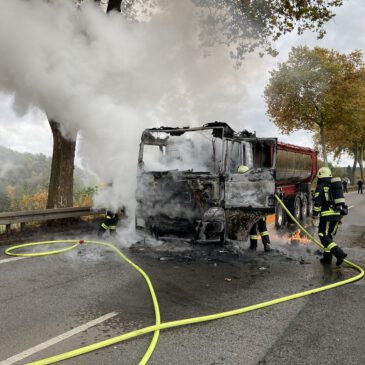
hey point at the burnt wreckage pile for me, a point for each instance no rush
(189, 184)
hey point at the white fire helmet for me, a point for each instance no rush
(242, 169)
(324, 172)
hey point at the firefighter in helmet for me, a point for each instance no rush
(112, 216)
(259, 226)
(329, 205)
(109, 223)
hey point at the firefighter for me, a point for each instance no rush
(260, 226)
(329, 205)
(110, 222)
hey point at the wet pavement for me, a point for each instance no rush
(47, 296)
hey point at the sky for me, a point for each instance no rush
(207, 89)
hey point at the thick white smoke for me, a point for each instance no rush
(107, 79)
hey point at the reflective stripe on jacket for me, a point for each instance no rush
(323, 201)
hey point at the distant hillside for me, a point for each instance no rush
(28, 174)
(25, 171)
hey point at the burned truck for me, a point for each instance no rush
(189, 185)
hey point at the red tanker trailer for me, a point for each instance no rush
(189, 186)
(296, 168)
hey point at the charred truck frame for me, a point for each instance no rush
(189, 186)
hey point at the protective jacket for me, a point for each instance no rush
(326, 205)
(329, 204)
(110, 222)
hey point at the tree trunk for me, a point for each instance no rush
(354, 165)
(348, 171)
(323, 144)
(60, 192)
(114, 5)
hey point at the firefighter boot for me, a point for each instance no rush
(326, 259)
(253, 246)
(101, 231)
(267, 247)
(339, 254)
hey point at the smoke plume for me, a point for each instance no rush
(105, 78)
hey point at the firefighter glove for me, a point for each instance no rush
(344, 210)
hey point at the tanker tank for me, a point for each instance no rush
(293, 166)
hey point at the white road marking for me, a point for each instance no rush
(12, 259)
(351, 206)
(54, 340)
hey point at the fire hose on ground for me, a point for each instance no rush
(183, 322)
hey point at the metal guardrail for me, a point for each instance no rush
(22, 217)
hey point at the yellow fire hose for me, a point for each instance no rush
(159, 326)
(76, 243)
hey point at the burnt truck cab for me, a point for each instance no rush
(188, 183)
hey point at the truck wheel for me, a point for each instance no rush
(304, 208)
(223, 237)
(279, 216)
(310, 206)
(294, 205)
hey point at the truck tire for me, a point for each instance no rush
(294, 205)
(310, 206)
(280, 216)
(304, 212)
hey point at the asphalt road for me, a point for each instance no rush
(42, 298)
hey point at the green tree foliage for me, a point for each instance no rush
(349, 102)
(244, 25)
(25, 171)
(311, 91)
(24, 181)
(248, 25)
